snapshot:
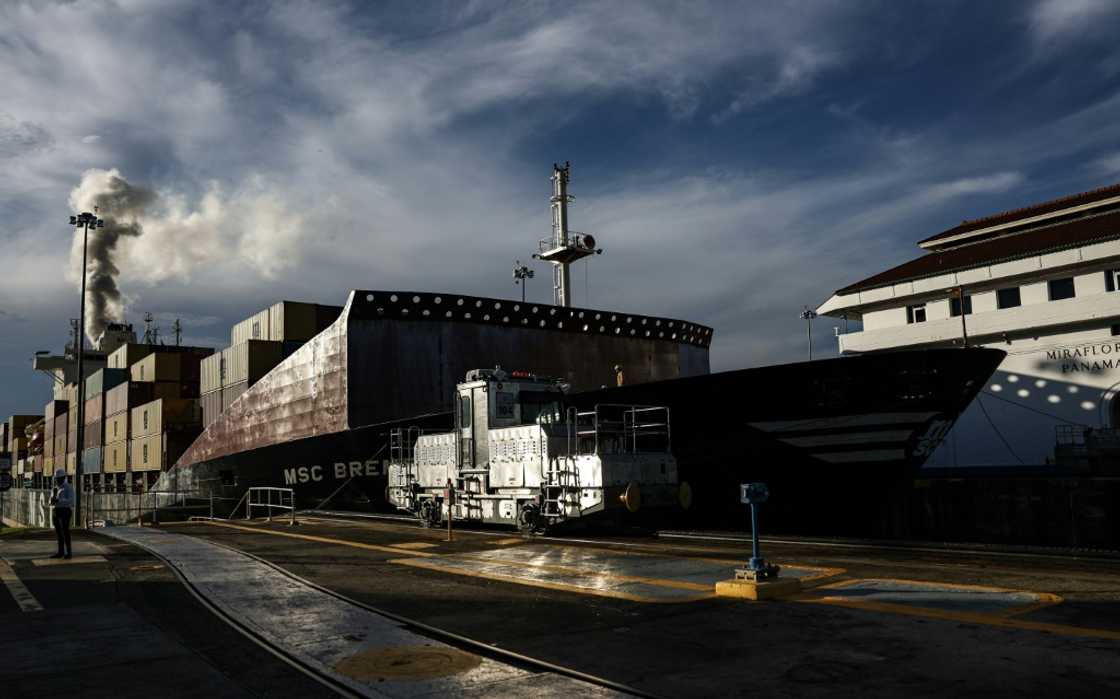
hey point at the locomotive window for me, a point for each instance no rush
(540, 407)
(465, 414)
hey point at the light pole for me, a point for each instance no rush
(808, 315)
(84, 221)
(520, 274)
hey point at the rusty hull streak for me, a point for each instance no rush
(395, 354)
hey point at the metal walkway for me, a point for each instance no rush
(349, 648)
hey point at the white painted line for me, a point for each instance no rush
(20, 594)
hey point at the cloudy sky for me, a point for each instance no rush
(736, 160)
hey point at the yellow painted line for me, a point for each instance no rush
(563, 587)
(414, 545)
(63, 561)
(20, 593)
(966, 617)
(509, 542)
(318, 539)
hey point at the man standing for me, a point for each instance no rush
(62, 500)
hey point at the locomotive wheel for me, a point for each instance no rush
(528, 520)
(428, 514)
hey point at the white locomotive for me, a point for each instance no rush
(517, 456)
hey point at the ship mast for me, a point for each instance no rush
(564, 247)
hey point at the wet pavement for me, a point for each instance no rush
(876, 623)
(633, 611)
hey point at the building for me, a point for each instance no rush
(1041, 283)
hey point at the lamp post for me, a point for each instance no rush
(520, 274)
(84, 221)
(808, 315)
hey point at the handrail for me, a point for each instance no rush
(269, 490)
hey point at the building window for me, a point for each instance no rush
(916, 313)
(145, 446)
(1008, 298)
(955, 306)
(1111, 279)
(1061, 289)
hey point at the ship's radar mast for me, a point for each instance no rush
(564, 247)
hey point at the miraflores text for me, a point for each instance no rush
(1079, 359)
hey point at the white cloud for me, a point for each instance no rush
(1108, 165)
(1066, 19)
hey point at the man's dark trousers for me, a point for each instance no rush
(61, 521)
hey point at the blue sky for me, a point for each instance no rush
(736, 160)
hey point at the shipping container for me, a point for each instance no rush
(126, 355)
(167, 366)
(92, 435)
(72, 440)
(115, 456)
(210, 374)
(211, 407)
(117, 426)
(165, 415)
(91, 460)
(48, 465)
(255, 327)
(72, 418)
(72, 463)
(94, 409)
(102, 380)
(250, 361)
(174, 390)
(146, 453)
(38, 464)
(127, 396)
(232, 393)
(54, 409)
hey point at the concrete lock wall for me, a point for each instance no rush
(28, 507)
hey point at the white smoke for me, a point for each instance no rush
(152, 237)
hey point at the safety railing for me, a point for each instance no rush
(619, 429)
(271, 499)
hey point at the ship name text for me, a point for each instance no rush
(340, 470)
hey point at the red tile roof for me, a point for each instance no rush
(1059, 236)
(1029, 211)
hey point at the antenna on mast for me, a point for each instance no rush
(151, 331)
(177, 328)
(564, 247)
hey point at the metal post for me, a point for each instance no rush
(756, 559)
(808, 315)
(81, 379)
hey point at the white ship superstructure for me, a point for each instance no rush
(1042, 284)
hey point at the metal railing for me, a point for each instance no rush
(271, 498)
(613, 428)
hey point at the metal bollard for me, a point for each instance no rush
(757, 569)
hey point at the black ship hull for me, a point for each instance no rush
(829, 437)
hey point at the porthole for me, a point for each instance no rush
(497, 306)
(534, 309)
(426, 312)
(404, 311)
(674, 336)
(657, 323)
(560, 324)
(524, 321)
(552, 312)
(645, 320)
(598, 316)
(505, 319)
(369, 297)
(614, 318)
(393, 298)
(486, 317)
(467, 315)
(581, 314)
(416, 299)
(459, 302)
(542, 323)
(585, 327)
(602, 328)
(629, 319)
(670, 323)
(647, 333)
(448, 314)
(437, 300)
(478, 304)
(661, 334)
(632, 331)
(517, 307)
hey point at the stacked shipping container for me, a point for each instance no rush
(95, 431)
(257, 345)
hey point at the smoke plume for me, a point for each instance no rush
(120, 205)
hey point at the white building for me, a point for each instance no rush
(1041, 283)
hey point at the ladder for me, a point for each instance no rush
(561, 481)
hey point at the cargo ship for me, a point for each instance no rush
(308, 397)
